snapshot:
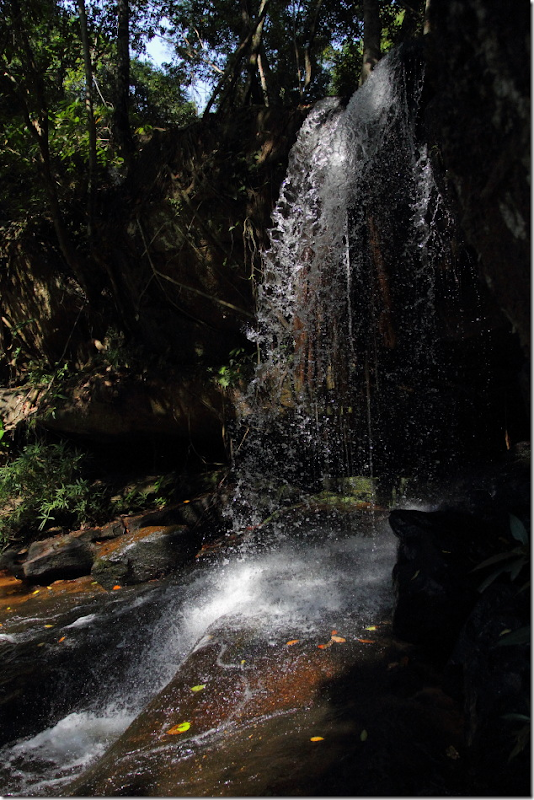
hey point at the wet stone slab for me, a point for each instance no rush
(250, 716)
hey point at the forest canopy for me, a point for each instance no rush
(78, 90)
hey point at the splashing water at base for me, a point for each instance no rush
(306, 581)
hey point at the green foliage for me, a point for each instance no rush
(513, 562)
(239, 364)
(45, 484)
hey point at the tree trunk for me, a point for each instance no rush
(91, 128)
(230, 75)
(122, 99)
(372, 31)
(309, 46)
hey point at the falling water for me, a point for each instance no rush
(348, 383)
(346, 387)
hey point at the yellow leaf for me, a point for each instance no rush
(317, 739)
(49, 626)
(293, 641)
(371, 628)
(181, 728)
(198, 687)
(40, 644)
(36, 591)
(363, 735)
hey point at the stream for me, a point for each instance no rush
(308, 577)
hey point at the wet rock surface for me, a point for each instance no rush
(276, 718)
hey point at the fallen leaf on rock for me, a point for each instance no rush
(371, 627)
(317, 739)
(182, 727)
(293, 641)
(36, 591)
(198, 687)
(363, 736)
(338, 639)
(116, 587)
(333, 633)
(49, 626)
(452, 752)
(324, 646)
(62, 639)
(367, 641)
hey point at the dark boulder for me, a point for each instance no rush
(151, 552)
(59, 557)
(434, 580)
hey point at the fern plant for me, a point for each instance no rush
(44, 484)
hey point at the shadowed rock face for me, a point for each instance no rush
(479, 66)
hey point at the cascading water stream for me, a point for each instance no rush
(346, 328)
(347, 319)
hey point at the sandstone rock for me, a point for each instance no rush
(149, 553)
(58, 557)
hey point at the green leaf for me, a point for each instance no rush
(182, 727)
(518, 530)
(198, 688)
(519, 636)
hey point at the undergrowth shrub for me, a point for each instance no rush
(45, 485)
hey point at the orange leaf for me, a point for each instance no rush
(333, 633)
(338, 639)
(367, 641)
(317, 739)
(116, 587)
(62, 639)
(293, 641)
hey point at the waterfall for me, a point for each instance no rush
(350, 367)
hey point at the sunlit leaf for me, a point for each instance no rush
(181, 728)
(363, 736)
(317, 739)
(293, 641)
(49, 626)
(198, 687)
